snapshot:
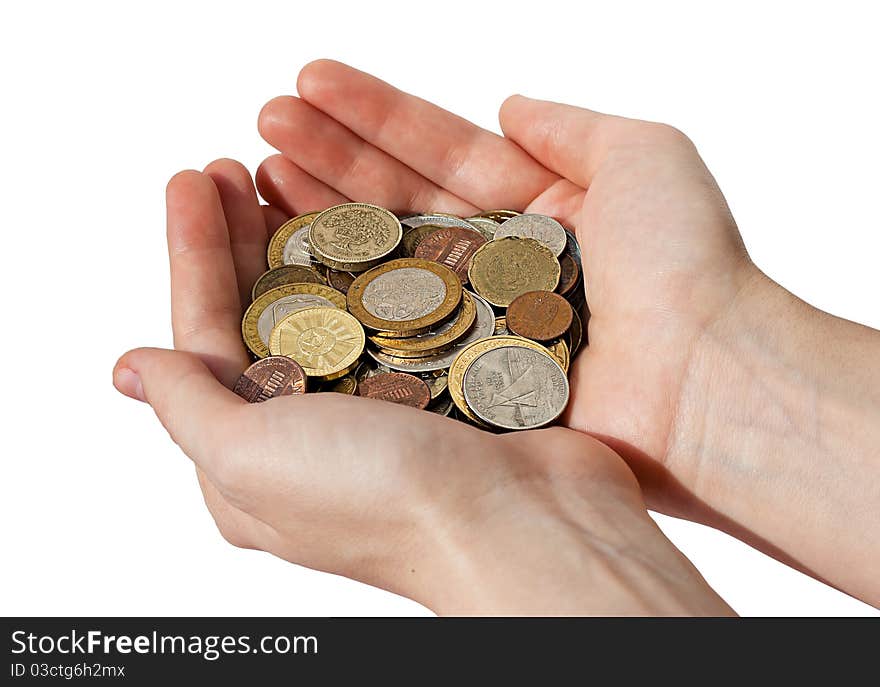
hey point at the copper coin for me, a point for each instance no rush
(281, 276)
(568, 274)
(339, 280)
(539, 315)
(269, 377)
(451, 246)
(396, 387)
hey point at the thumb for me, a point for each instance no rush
(568, 140)
(188, 400)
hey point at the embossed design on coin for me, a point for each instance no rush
(281, 308)
(434, 341)
(407, 293)
(504, 268)
(513, 387)
(339, 280)
(487, 227)
(413, 237)
(437, 220)
(451, 246)
(543, 229)
(281, 276)
(296, 249)
(354, 236)
(539, 315)
(326, 342)
(288, 244)
(271, 377)
(396, 387)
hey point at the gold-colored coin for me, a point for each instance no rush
(412, 238)
(559, 350)
(283, 275)
(437, 381)
(326, 342)
(484, 225)
(289, 245)
(499, 215)
(501, 326)
(270, 308)
(505, 268)
(406, 296)
(344, 385)
(435, 341)
(353, 237)
(470, 353)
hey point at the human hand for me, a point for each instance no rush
(701, 372)
(546, 521)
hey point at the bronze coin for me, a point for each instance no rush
(339, 280)
(281, 276)
(568, 274)
(451, 246)
(269, 377)
(539, 315)
(396, 387)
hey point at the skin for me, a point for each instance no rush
(706, 389)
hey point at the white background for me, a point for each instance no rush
(102, 102)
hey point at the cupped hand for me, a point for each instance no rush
(547, 521)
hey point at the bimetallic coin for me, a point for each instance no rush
(397, 387)
(289, 245)
(539, 315)
(451, 246)
(271, 377)
(269, 309)
(504, 268)
(341, 281)
(569, 273)
(354, 237)
(436, 220)
(543, 229)
(435, 340)
(406, 296)
(499, 216)
(482, 327)
(283, 275)
(514, 387)
(326, 342)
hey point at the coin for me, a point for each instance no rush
(467, 354)
(435, 220)
(559, 350)
(413, 237)
(353, 237)
(501, 327)
(569, 273)
(326, 342)
(369, 368)
(285, 274)
(271, 377)
(341, 281)
(575, 333)
(543, 229)
(514, 387)
(344, 385)
(451, 246)
(441, 406)
(482, 328)
(504, 268)
(437, 382)
(289, 245)
(499, 216)
(271, 307)
(539, 315)
(407, 296)
(484, 225)
(434, 340)
(397, 387)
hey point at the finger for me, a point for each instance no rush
(205, 305)
(569, 140)
(328, 151)
(186, 396)
(274, 217)
(475, 164)
(295, 191)
(244, 219)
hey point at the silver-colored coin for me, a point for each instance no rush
(513, 387)
(296, 249)
(543, 229)
(436, 220)
(483, 326)
(487, 227)
(283, 307)
(404, 294)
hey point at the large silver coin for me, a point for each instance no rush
(513, 387)
(435, 220)
(296, 249)
(484, 325)
(543, 229)
(404, 294)
(283, 307)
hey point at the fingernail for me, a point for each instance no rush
(129, 383)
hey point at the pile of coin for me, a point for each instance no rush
(476, 318)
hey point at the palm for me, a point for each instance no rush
(661, 252)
